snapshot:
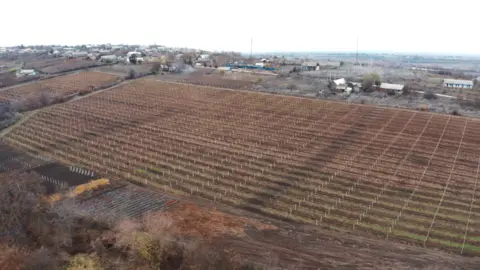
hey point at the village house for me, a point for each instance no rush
(109, 58)
(458, 83)
(79, 54)
(26, 72)
(392, 88)
(356, 86)
(309, 66)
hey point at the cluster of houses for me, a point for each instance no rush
(342, 86)
(117, 53)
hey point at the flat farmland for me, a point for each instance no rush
(65, 65)
(217, 81)
(59, 87)
(400, 175)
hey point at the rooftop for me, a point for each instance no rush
(340, 81)
(391, 86)
(453, 81)
(309, 64)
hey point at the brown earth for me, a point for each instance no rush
(296, 246)
(191, 220)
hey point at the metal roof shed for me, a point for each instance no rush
(391, 86)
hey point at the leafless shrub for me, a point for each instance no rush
(155, 68)
(84, 262)
(131, 74)
(429, 95)
(42, 258)
(17, 202)
(11, 257)
(45, 98)
(154, 243)
(370, 80)
(470, 103)
(291, 87)
(455, 112)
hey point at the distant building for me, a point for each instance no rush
(458, 83)
(341, 88)
(76, 54)
(340, 85)
(309, 66)
(390, 87)
(26, 72)
(356, 86)
(329, 64)
(109, 58)
(129, 54)
(340, 81)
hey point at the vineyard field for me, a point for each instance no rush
(110, 202)
(401, 175)
(58, 87)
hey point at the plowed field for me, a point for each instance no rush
(401, 175)
(58, 87)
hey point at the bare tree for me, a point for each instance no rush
(291, 87)
(370, 80)
(131, 74)
(156, 68)
(429, 95)
(18, 201)
(42, 258)
(45, 98)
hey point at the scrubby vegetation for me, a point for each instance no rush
(8, 115)
(60, 236)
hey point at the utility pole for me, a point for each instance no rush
(251, 47)
(356, 61)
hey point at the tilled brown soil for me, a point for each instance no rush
(297, 246)
(329, 250)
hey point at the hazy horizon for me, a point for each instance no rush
(308, 26)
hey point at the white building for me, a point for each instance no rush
(340, 81)
(26, 72)
(106, 58)
(78, 54)
(390, 87)
(458, 83)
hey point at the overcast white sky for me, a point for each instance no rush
(299, 25)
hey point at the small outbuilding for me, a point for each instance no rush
(108, 58)
(341, 88)
(309, 66)
(26, 72)
(340, 81)
(390, 87)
